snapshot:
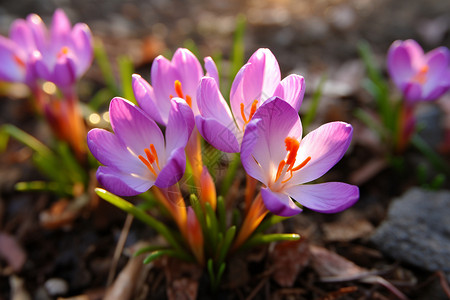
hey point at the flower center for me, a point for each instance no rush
(19, 61)
(179, 91)
(63, 52)
(152, 160)
(287, 165)
(252, 112)
(421, 75)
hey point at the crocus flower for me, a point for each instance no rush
(256, 82)
(419, 76)
(63, 53)
(16, 52)
(178, 77)
(137, 156)
(274, 152)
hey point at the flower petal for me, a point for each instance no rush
(172, 172)
(163, 78)
(279, 120)
(180, 125)
(143, 92)
(81, 38)
(134, 128)
(110, 151)
(255, 156)
(21, 34)
(12, 67)
(211, 103)
(61, 27)
(189, 70)
(326, 145)
(211, 69)
(329, 197)
(262, 77)
(279, 204)
(399, 63)
(122, 184)
(218, 135)
(292, 89)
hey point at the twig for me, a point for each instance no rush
(119, 248)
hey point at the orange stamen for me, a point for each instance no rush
(19, 61)
(152, 157)
(292, 146)
(189, 100)
(421, 76)
(252, 111)
(296, 169)
(178, 89)
(155, 155)
(64, 51)
(280, 169)
(149, 166)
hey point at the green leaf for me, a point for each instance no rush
(269, 222)
(126, 69)
(211, 223)
(144, 217)
(229, 236)
(221, 212)
(157, 254)
(151, 248)
(70, 164)
(258, 239)
(26, 139)
(43, 186)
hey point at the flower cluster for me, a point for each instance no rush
(48, 60)
(420, 77)
(61, 54)
(262, 125)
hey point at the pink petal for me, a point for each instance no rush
(172, 172)
(211, 103)
(180, 125)
(61, 27)
(10, 69)
(38, 30)
(163, 78)
(292, 89)
(110, 151)
(218, 135)
(211, 69)
(327, 197)
(255, 155)
(135, 129)
(262, 77)
(189, 70)
(279, 120)
(279, 204)
(81, 38)
(122, 184)
(21, 34)
(399, 63)
(326, 146)
(145, 97)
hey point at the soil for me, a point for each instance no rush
(310, 38)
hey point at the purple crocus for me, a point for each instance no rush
(257, 81)
(137, 156)
(419, 76)
(16, 52)
(178, 77)
(65, 53)
(274, 152)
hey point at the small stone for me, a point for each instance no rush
(56, 286)
(417, 230)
